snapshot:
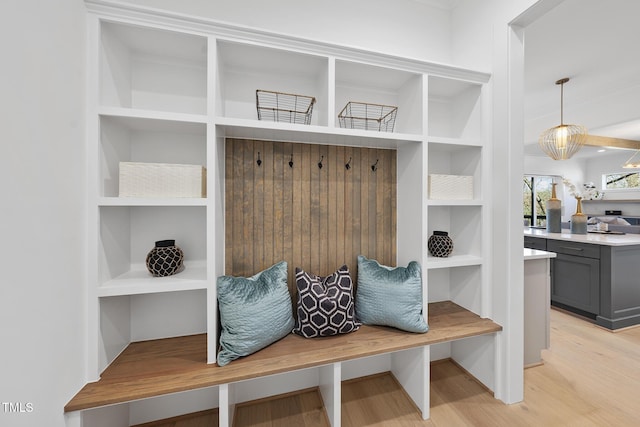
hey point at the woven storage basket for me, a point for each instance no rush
(360, 115)
(450, 187)
(162, 180)
(284, 107)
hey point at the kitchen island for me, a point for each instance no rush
(594, 275)
(537, 322)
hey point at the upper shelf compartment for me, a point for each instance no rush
(455, 109)
(245, 68)
(357, 82)
(152, 69)
(140, 139)
(460, 160)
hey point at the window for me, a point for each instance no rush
(621, 180)
(536, 191)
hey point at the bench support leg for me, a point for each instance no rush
(411, 369)
(331, 390)
(227, 405)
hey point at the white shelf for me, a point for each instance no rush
(139, 281)
(170, 90)
(135, 135)
(457, 159)
(270, 131)
(144, 119)
(472, 202)
(152, 69)
(365, 83)
(471, 142)
(244, 68)
(460, 282)
(462, 222)
(453, 261)
(455, 108)
(136, 201)
(128, 232)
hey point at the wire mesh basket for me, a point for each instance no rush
(360, 115)
(284, 107)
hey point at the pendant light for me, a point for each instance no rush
(563, 141)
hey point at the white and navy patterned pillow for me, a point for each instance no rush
(325, 304)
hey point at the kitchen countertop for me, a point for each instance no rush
(530, 254)
(593, 238)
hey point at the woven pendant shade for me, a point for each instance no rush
(563, 141)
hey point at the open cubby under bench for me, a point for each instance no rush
(153, 368)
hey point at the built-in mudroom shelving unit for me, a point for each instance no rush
(172, 89)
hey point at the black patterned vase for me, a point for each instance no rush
(165, 259)
(440, 244)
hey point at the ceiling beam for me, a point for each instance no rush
(605, 141)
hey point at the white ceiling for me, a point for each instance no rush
(443, 4)
(596, 44)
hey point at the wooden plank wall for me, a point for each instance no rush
(314, 218)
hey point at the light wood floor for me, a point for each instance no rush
(590, 377)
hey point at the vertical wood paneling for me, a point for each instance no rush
(269, 200)
(259, 263)
(373, 219)
(306, 165)
(299, 190)
(363, 191)
(314, 208)
(356, 186)
(287, 209)
(236, 219)
(314, 218)
(228, 203)
(378, 195)
(348, 209)
(278, 200)
(323, 212)
(247, 206)
(339, 208)
(389, 208)
(332, 206)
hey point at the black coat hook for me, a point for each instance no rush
(291, 161)
(320, 162)
(259, 162)
(374, 167)
(347, 166)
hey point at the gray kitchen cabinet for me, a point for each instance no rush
(575, 276)
(619, 287)
(535, 243)
(597, 276)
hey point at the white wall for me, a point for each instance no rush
(611, 163)
(483, 39)
(42, 220)
(405, 28)
(580, 171)
(572, 169)
(42, 302)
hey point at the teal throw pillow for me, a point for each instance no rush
(254, 312)
(390, 296)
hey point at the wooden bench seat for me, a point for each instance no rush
(153, 368)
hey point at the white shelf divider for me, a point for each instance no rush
(139, 281)
(151, 201)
